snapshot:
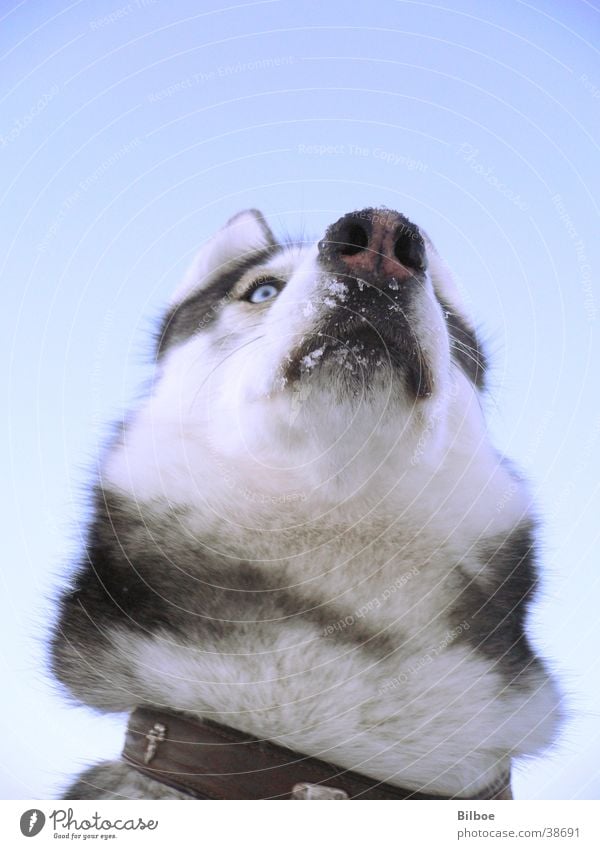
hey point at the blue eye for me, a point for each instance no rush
(264, 292)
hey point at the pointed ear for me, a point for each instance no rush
(244, 234)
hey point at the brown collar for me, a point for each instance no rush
(211, 761)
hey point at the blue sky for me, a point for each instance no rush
(129, 131)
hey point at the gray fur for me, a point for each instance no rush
(116, 780)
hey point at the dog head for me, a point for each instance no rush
(296, 356)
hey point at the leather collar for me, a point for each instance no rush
(206, 760)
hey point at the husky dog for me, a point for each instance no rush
(304, 534)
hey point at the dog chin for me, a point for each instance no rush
(363, 361)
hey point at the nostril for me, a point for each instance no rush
(409, 249)
(352, 238)
(401, 248)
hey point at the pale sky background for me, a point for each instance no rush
(130, 131)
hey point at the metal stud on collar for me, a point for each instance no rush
(316, 791)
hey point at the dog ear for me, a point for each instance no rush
(243, 235)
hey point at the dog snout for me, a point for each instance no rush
(376, 244)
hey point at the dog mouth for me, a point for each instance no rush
(371, 312)
(371, 340)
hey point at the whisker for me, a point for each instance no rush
(471, 353)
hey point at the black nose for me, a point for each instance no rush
(378, 243)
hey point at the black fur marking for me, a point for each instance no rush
(466, 348)
(203, 306)
(496, 602)
(143, 573)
